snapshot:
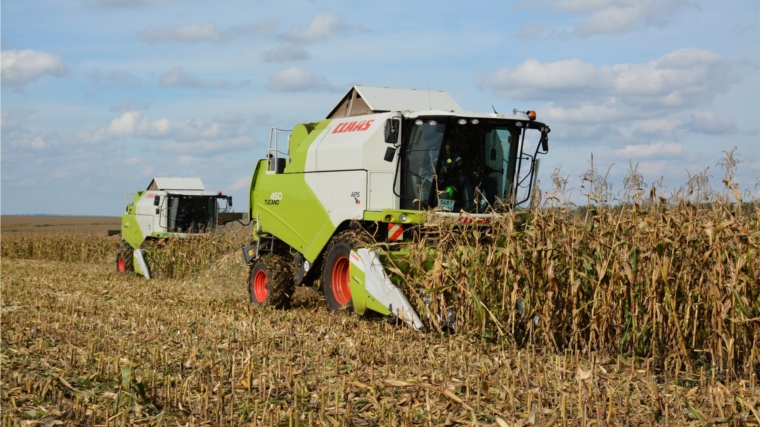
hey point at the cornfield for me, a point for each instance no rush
(68, 247)
(184, 258)
(178, 258)
(673, 280)
(645, 311)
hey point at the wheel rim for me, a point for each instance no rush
(340, 286)
(121, 265)
(260, 290)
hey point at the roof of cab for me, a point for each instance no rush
(169, 183)
(372, 99)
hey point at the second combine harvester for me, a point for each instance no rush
(388, 161)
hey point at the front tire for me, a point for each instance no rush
(335, 273)
(271, 281)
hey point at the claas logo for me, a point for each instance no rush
(357, 126)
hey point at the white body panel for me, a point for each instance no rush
(342, 193)
(351, 143)
(379, 195)
(145, 212)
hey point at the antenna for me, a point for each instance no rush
(430, 103)
(494, 109)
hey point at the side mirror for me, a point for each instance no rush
(391, 131)
(389, 153)
(157, 201)
(545, 142)
(229, 199)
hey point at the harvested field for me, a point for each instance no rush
(86, 346)
(647, 313)
(46, 224)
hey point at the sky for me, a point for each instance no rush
(99, 96)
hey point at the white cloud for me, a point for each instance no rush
(586, 6)
(178, 77)
(60, 173)
(125, 125)
(226, 132)
(92, 137)
(609, 111)
(629, 15)
(124, 3)
(659, 126)
(124, 78)
(210, 146)
(710, 123)
(533, 79)
(658, 149)
(20, 67)
(243, 182)
(322, 27)
(11, 119)
(208, 32)
(127, 104)
(681, 78)
(616, 16)
(134, 124)
(230, 117)
(189, 160)
(285, 52)
(296, 79)
(531, 30)
(38, 143)
(132, 161)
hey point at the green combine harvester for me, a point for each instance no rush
(388, 161)
(170, 208)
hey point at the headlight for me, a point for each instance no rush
(402, 217)
(462, 121)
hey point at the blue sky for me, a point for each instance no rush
(98, 96)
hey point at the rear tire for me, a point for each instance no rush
(335, 273)
(124, 260)
(271, 281)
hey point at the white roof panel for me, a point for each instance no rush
(166, 183)
(394, 99)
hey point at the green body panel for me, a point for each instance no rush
(297, 218)
(360, 298)
(301, 138)
(130, 231)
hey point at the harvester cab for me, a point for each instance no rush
(169, 208)
(387, 160)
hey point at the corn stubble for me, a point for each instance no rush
(643, 314)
